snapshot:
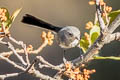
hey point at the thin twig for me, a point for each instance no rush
(24, 47)
(40, 48)
(22, 50)
(3, 27)
(99, 11)
(9, 53)
(17, 55)
(36, 73)
(4, 76)
(58, 67)
(2, 42)
(26, 54)
(31, 65)
(112, 37)
(15, 41)
(12, 63)
(96, 19)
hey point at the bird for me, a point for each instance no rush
(67, 37)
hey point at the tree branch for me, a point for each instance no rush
(112, 27)
(3, 77)
(58, 67)
(24, 47)
(99, 11)
(112, 37)
(12, 63)
(42, 76)
(16, 54)
(102, 39)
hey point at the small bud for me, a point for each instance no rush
(5, 18)
(104, 14)
(68, 66)
(89, 25)
(72, 76)
(91, 2)
(77, 70)
(4, 10)
(87, 36)
(52, 36)
(3, 14)
(49, 34)
(93, 70)
(29, 48)
(106, 8)
(50, 42)
(102, 3)
(43, 34)
(83, 65)
(1, 11)
(109, 9)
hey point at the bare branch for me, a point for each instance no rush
(13, 51)
(40, 48)
(112, 37)
(4, 76)
(114, 24)
(2, 42)
(98, 44)
(102, 39)
(17, 55)
(15, 41)
(31, 66)
(99, 11)
(90, 53)
(26, 54)
(58, 67)
(24, 47)
(12, 63)
(22, 51)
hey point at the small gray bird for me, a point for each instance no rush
(67, 37)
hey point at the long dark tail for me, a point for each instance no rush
(29, 19)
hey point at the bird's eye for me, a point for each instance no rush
(70, 34)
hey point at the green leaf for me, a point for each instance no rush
(84, 44)
(94, 33)
(113, 15)
(14, 15)
(12, 18)
(7, 23)
(9, 20)
(94, 37)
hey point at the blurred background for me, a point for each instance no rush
(60, 13)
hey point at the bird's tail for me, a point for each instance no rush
(29, 19)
